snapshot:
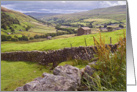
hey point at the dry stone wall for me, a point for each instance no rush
(54, 56)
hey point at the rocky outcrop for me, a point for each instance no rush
(87, 73)
(64, 78)
(70, 72)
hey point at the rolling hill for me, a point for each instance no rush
(40, 15)
(117, 13)
(15, 20)
(16, 24)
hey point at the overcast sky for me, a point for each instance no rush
(57, 6)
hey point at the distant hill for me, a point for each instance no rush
(20, 16)
(13, 21)
(40, 15)
(117, 13)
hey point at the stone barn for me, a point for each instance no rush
(83, 31)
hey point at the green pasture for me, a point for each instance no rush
(60, 43)
(16, 73)
(36, 29)
(100, 20)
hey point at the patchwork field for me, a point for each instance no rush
(100, 21)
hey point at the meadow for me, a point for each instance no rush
(60, 43)
(17, 73)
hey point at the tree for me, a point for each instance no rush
(90, 25)
(109, 29)
(121, 26)
(4, 26)
(25, 38)
(12, 30)
(100, 27)
(105, 26)
(27, 28)
(3, 38)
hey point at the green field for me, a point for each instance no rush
(15, 74)
(100, 20)
(60, 43)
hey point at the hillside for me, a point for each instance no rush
(16, 25)
(40, 15)
(117, 13)
(9, 17)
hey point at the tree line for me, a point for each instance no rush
(26, 38)
(68, 30)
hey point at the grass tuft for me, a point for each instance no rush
(111, 68)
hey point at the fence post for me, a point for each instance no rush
(70, 45)
(94, 40)
(110, 40)
(85, 41)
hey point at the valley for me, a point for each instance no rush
(49, 32)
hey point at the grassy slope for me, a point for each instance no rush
(117, 13)
(59, 43)
(23, 19)
(37, 28)
(15, 74)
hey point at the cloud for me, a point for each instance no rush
(112, 3)
(121, 2)
(63, 1)
(8, 6)
(58, 6)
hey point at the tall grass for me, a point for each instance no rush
(111, 67)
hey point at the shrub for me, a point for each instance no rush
(105, 26)
(111, 68)
(121, 26)
(23, 38)
(27, 28)
(109, 29)
(3, 38)
(14, 39)
(36, 36)
(12, 30)
(31, 38)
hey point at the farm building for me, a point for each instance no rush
(83, 31)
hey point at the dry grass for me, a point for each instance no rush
(111, 67)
